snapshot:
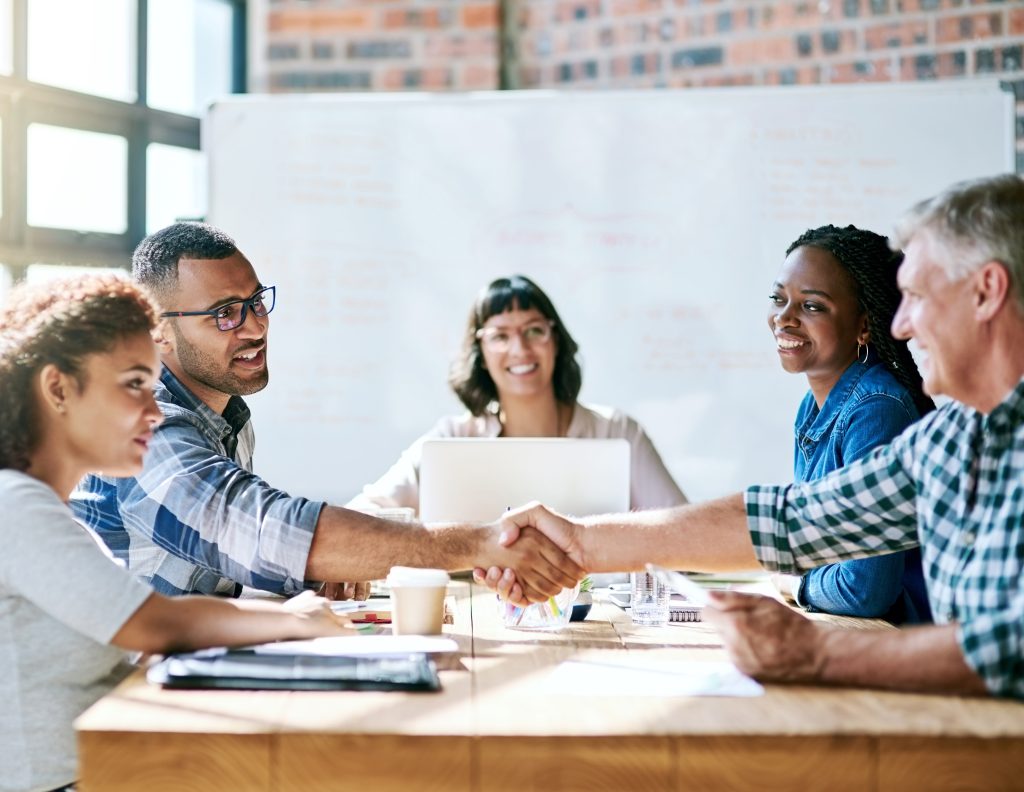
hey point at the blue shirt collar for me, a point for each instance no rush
(236, 414)
(818, 421)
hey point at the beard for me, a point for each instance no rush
(204, 369)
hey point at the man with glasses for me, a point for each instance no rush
(197, 519)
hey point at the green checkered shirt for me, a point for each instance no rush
(953, 483)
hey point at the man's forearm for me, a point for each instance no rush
(704, 537)
(349, 545)
(926, 659)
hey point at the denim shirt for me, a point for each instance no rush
(866, 408)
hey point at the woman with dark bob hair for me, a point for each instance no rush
(518, 376)
(77, 368)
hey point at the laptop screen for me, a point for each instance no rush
(476, 480)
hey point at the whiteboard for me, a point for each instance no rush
(656, 221)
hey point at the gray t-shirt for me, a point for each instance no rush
(62, 598)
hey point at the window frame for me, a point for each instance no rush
(23, 102)
(8, 205)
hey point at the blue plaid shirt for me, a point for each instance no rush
(953, 483)
(197, 520)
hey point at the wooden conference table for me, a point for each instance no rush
(499, 725)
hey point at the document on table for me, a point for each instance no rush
(362, 645)
(244, 669)
(688, 678)
(358, 662)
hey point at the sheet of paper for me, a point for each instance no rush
(587, 678)
(363, 645)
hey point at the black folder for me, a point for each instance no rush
(245, 669)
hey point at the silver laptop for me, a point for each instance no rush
(475, 480)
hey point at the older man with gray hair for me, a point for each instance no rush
(953, 483)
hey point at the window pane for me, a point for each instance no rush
(6, 37)
(77, 179)
(88, 47)
(175, 185)
(5, 283)
(39, 273)
(189, 54)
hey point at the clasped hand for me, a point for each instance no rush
(553, 559)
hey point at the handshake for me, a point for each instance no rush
(540, 552)
(536, 555)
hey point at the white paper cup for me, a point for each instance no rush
(417, 600)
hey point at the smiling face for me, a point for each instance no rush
(516, 355)
(216, 364)
(937, 312)
(815, 316)
(109, 419)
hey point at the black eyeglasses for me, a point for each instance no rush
(231, 315)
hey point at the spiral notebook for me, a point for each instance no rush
(683, 612)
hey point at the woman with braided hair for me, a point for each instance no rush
(830, 311)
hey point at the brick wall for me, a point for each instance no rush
(344, 45)
(380, 45)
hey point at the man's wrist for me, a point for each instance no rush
(485, 550)
(461, 546)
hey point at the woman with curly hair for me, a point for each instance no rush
(830, 311)
(518, 376)
(77, 368)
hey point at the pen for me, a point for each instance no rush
(344, 606)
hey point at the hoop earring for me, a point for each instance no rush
(867, 351)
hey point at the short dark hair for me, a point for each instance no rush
(60, 322)
(469, 377)
(872, 264)
(155, 260)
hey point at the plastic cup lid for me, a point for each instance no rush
(413, 576)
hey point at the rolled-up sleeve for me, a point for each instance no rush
(205, 508)
(867, 508)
